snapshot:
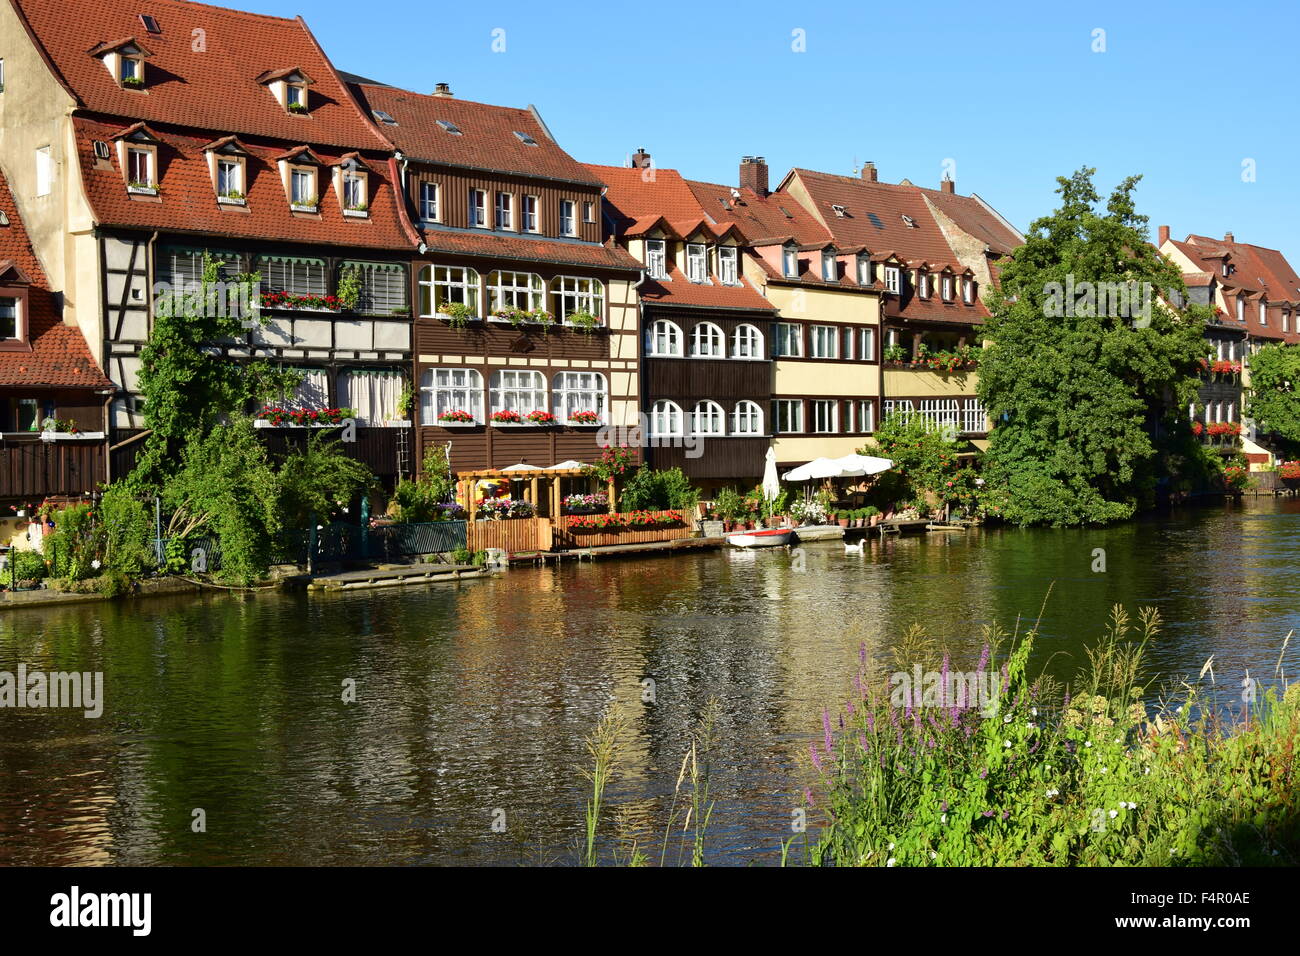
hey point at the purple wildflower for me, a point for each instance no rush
(816, 757)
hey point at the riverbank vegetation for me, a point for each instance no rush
(1080, 383)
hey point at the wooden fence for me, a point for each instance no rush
(511, 535)
(31, 468)
(567, 537)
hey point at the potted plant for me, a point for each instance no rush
(457, 314)
(583, 321)
(874, 516)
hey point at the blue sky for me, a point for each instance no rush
(1011, 92)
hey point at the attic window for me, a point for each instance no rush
(384, 117)
(450, 127)
(101, 149)
(130, 68)
(785, 212)
(839, 210)
(150, 24)
(909, 222)
(790, 262)
(295, 96)
(525, 139)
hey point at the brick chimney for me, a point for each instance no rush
(641, 159)
(869, 172)
(442, 89)
(1227, 237)
(1164, 236)
(948, 185)
(753, 174)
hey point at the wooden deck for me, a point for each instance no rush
(395, 576)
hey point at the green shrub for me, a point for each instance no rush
(652, 489)
(27, 566)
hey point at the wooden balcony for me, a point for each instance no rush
(32, 469)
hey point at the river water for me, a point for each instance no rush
(225, 737)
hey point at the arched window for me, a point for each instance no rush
(517, 390)
(666, 420)
(747, 419)
(707, 341)
(747, 343)
(448, 285)
(664, 339)
(707, 418)
(571, 294)
(514, 290)
(445, 391)
(580, 392)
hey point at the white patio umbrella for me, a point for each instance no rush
(771, 486)
(567, 466)
(856, 466)
(817, 468)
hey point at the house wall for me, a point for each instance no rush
(34, 112)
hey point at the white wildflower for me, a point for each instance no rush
(1114, 814)
(891, 862)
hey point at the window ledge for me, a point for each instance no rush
(299, 207)
(357, 213)
(60, 436)
(142, 190)
(523, 424)
(439, 424)
(231, 201)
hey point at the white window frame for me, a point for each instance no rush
(532, 214)
(708, 419)
(504, 211)
(521, 390)
(44, 171)
(354, 189)
(656, 258)
(866, 351)
(450, 389)
(708, 341)
(515, 290)
(747, 418)
(439, 284)
(664, 339)
(150, 165)
(477, 209)
(1263, 312)
(568, 218)
(864, 271)
(790, 410)
(697, 262)
(667, 420)
(893, 279)
(728, 265)
(1241, 308)
(830, 267)
(234, 183)
(579, 391)
(785, 334)
(790, 263)
(968, 290)
(309, 172)
(747, 342)
(828, 407)
(865, 415)
(818, 337)
(923, 285)
(20, 331)
(577, 294)
(430, 201)
(947, 288)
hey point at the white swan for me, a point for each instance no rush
(855, 548)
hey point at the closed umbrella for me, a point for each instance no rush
(771, 485)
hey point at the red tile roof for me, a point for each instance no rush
(216, 88)
(59, 356)
(1259, 272)
(188, 201)
(498, 246)
(487, 139)
(637, 199)
(971, 214)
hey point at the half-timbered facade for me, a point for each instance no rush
(524, 324)
(706, 368)
(148, 143)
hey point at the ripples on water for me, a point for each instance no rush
(476, 698)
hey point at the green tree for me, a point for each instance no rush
(1273, 401)
(925, 460)
(1076, 388)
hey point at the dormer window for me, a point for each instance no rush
(478, 208)
(697, 269)
(893, 279)
(290, 89)
(923, 284)
(352, 185)
(1263, 312)
(227, 164)
(14, 285)
(140, 173)
(947, 288)
(1241, 308)
(656, 256)
(968, 291)
(429, 201)
(568, 219)
(230, 178)
(131, 70)
(11, 319)
(304, 196)
(728, 257)
(864, 271)
(790, 262)
(354, 191)
(830, 270)
(505, 211)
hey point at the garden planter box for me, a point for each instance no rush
(510, 535)
(568, 536)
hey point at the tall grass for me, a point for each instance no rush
(1086, 774)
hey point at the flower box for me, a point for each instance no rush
(357, 213)
(231, 201)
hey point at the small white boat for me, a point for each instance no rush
(771, 538)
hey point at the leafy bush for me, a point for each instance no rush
(126, 531)
(27, 566)
(652, 489)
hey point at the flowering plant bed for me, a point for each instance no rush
(507, 418)
(1215, 429)
(502, 508)
(539, 417)
(1221, 366)
(613, 463)
(521, 316)
(457, 416)
(1235, 477)
(586, 504)
(286, 300)
(1289, 471)
(278, 417)
(630, 519)
(584, 418)
(1197, 428)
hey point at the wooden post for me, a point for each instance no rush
(613, 505)
(532, 491)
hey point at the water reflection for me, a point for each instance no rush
(473, 700)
